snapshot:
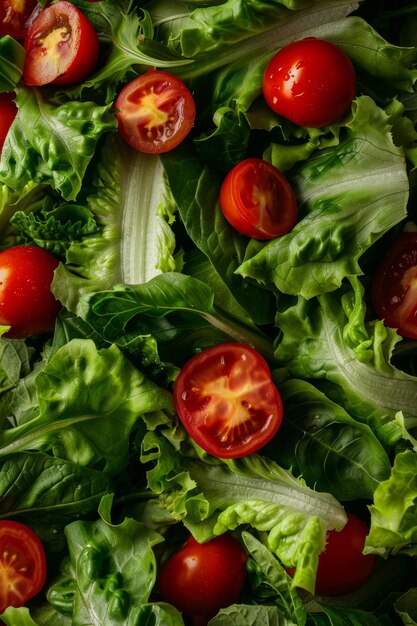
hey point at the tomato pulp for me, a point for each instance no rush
(258, 200)
(14, 17)
(227, 401)
(310, 82)
(22, 564)
(8, 111)
(200, 579)
(26, 301)
(394, 286)
(61, 46)
(156, 111)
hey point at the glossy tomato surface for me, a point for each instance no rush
(342, 565)
(22, 564)
(311, 82)
(26, 300)
(156, 111)
(200, 579)
(61, 46)
(394, 286)
(226, 400)
(8, 111)
(258, 200)
(14, 17)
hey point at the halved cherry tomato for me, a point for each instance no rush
(200, 579)
(22, 564)
(61, 46)
(8, 111)
(14, 16)
(258, 200)
(342, 565)
(226, 400)
(311, 82)
(156, 111)
(26, 300)
(394, 286)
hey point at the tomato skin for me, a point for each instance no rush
(342, 565)
(26, 300)
(257, 200)
(200, 579)
(155, 112)
(8, 111)
(14, 17)
(62, 47)
(226, 400)
(394, 286)
(310, 82)
(22, 564)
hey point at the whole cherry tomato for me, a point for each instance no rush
(8, 111)
(200, 579)
(342, 565)
(22, 564)
(226, 400)
(156, 111)
(61, 46)
(394, 286)
(26, 300)
(257, 200)
(311, 82)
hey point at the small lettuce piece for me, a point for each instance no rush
(212, 497)
(130, 202)
(19, 617)
(393, 513)
(89, 401)
(349, 196)
(12, 59)
(60, 150)
(327, 447)
(326, 340)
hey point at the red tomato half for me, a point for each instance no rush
(156, 111)
(26, 300)
(342, 565)
(8, 111)
(394, 286)
(226, 400)
(258, 200)
(310, 82)
(61, 45)
(14, 15)
(22, 564)
(200, 579)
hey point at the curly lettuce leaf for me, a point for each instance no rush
(130, 202)
(89, 400)
(60, 150)
(349, 196)
(212, 497)
(328, 341)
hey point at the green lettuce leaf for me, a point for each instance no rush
(61, 149)
(326, 446)
(12, 59)
(130, 202)
(212, 497)
(18, 617)
(250, 615)
(334, 616)
(349, 196)
(327, 340)
(393, 512)
(89, 400)
(406, 607)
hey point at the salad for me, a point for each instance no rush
(149, 279)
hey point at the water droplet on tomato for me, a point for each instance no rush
(185, 395)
